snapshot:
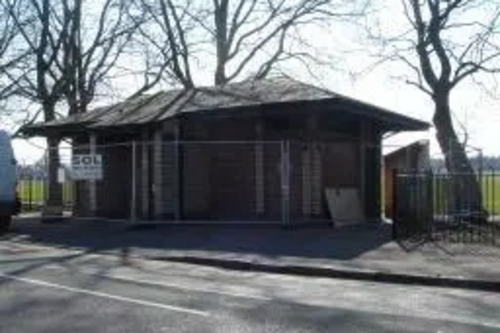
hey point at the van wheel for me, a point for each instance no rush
(5, 222)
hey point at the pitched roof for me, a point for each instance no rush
(145, 109)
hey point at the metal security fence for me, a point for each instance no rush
(167, 181)
(209, 181)
(427, 207)
(326, 181)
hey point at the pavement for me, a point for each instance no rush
(49, 289)
(362, 252)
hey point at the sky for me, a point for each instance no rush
(381, 86)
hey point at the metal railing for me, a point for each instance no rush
(429, 207)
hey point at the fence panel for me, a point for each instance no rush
(326, 182)
(210, 181)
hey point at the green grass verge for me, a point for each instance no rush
(34, 192)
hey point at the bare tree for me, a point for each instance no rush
(11, 54)
(92, 49)
(259, 29)
(72, 50)
(164, 41)
(448, 42)
(235, 39)
(43, 37)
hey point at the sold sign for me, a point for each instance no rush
(86, 167)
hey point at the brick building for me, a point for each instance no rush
(253, 151)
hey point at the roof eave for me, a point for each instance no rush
(55, 130)
(390, 120)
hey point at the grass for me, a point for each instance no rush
(490, 187)
(491, 192)
(33, 192)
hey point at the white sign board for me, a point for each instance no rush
(86, 167)
(61, 175)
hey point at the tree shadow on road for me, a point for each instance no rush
(273, 241)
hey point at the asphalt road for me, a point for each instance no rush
(43, 289)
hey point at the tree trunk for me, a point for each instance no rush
(221, 45)
(465, 193)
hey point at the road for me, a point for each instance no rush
(44, 289)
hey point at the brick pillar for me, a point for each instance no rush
(259, 171)
(306, 179)
(92, 183)
(145, 174)
(158, 174)
(316, 179)
(362, 164)
(53, 205)
(313, 180)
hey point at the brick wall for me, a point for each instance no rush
(113, 192)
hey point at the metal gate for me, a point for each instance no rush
(412, 206)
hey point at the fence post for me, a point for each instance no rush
(430, 204)
(30, 192)
(493, 193)
(395, 212)
(133, 203)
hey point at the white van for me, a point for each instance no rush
(9, 203)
